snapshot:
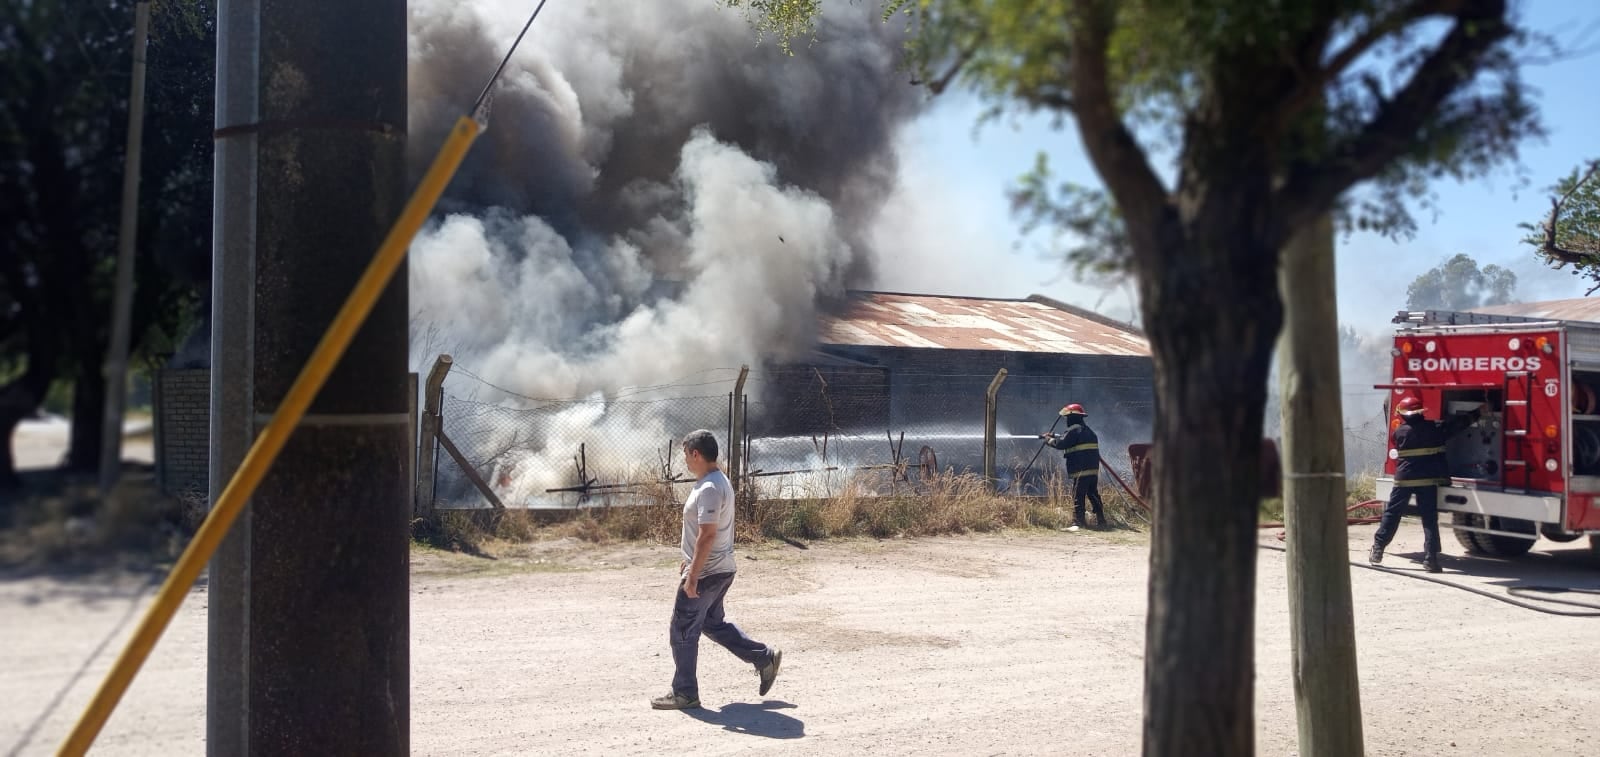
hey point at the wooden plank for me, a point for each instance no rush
(466, 467)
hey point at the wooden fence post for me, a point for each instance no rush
(428, 437)
(991, 400)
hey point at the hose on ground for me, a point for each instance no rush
(1592, 611)
(1511, 594)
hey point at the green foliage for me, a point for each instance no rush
(1163, 55)
(1084, 225)
(1576, 241)
(788, 20)
(64, 96)
(1458, 284)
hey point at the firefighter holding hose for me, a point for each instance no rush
(1421, 469)
(1081, 448)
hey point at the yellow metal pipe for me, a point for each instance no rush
(272, 438)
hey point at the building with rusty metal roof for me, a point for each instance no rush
(918, 364)
(1580, 310)
(1034, 324)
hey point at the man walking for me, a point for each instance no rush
(1081, 448)
(1420, 471)
(706, 573)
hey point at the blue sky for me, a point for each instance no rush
(959, 237)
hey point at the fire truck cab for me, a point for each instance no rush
(1530, 466)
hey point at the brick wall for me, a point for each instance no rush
(183, 430)
(182, 398)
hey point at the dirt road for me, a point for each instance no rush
(1014, 644)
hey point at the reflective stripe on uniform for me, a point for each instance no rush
(1083, 473)
(1421, 452)
(1083, 448)
(1410, 483)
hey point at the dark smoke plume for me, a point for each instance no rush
(656, 194)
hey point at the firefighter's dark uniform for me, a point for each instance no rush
(1420, 471)
(1081, 448)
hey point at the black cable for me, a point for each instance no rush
(1593, 610)
(477, 105)
(61, 695)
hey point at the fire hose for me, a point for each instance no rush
(1036, 454)
(1510, 596)
(1513, 595)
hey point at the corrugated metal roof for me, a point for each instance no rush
(885, 319)
(1583, 310)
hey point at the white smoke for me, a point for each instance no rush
(656, 197)
(518, 307)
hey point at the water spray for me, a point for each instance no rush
(1042, 444)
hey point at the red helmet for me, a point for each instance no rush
(1408, 406)
(1074, 409)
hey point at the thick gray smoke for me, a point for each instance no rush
(656, 194)
(1364, 362)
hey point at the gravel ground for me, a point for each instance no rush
(1010, 644)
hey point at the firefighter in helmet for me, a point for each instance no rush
(1419, 446)
(1081, 448)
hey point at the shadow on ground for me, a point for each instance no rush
(1553, 580)
(754, 719)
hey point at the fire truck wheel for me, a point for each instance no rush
(1493, 545)
(1467, 539)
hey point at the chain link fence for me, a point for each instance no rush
(808, 432)
(578, 453)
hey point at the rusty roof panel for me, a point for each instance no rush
(882, 319)
(1582, 310)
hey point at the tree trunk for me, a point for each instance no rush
(1321, 615)
(9, 420)
(1213, 314)
(18, 400)
(88, 415)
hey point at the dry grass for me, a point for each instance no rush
(1363, 487)
(60, 519)
(864, 505)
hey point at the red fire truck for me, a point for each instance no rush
(1530, 466)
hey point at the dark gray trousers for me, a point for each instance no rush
(703, 614)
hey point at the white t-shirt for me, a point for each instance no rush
(710, 502)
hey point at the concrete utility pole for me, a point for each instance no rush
(1321, 615)
(116, 367)
(309, 613)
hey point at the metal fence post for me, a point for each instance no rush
(412, 381)
(736, 433)
(990, 413)
(428, 441)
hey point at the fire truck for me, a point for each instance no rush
(1530, 466)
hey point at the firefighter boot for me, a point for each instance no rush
(1430, 563)
(1078, 521)
(1376, 556)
